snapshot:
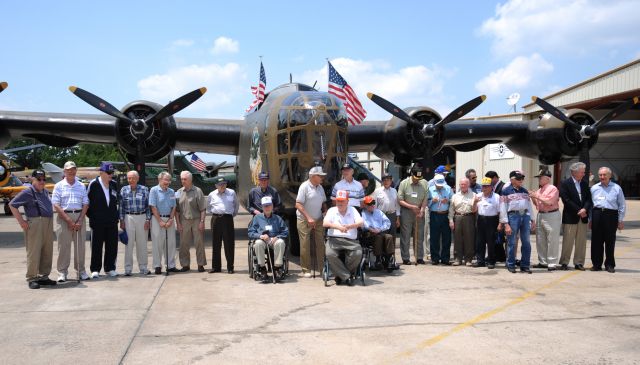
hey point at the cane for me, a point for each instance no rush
(77, 254)
(415, 240)
(166, 249)
(314, 259)
(273, 269)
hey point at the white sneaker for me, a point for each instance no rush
(113, 273)
(95, 275)
(62, 278)
(84, 276)
(307, 275)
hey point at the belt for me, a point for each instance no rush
(521, 212)
(464, 214)
(165, 216)
(138, 213)
(221, 215)
(390, 212)
(487, 216)
(605, 210)
(441, 213)
(73, 211)
(549, 211)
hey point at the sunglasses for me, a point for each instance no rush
(41, 179)
(109, 172)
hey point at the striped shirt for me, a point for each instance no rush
(69, 197)
(512, 199)
(134, 201)
(356, 192)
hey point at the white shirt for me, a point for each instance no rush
(222, 203)
(105, 190)
(69, 197)
(333, 216)
(576, 183)
(490, 206)
(311, 199)
(387, 200)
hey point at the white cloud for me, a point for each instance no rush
(223, 83)
(225, 45)
(182, 43)
(520, 73)
(409, 86)
(567, 26)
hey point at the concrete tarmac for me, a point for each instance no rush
(419, 314)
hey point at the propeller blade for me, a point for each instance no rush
(555, 112)
(98, 103)
(616, 112)
(462, 110)
(178, 104)
(393, 110)
(3, 85)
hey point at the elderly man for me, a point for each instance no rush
(473, 181)
(264, 189)
(103, 220)
(515, 215)
(355, 189)
(222, 204)
(438, 201)
(462, 221)
(162, 201)
(488, 206)
(548, 221)
(386, 198)
(135, 218)
(343, 221)
(70, 201)
(440, 170)
(496, 183)
(607, 215)
(412, 197)
(576, 197)
(310, 204)
(268, 229)
(38, 229)
(190, 214)
(376, 226)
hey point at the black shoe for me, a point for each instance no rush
(491, 266)
(34, 285)
(578, 267)
(447, 263)
(540, 266)
(611, 269)
(351, 281)
(406, 262)
(511, 269)
(214, 271)
(525, 270)
(200, 268)
(596, 269)
(173, 269)
(564, 267)
(552, 268)
(421, 262)
(338, 280)
(46, 281)
(229, 271)
(279, 273)
(478, 264)
(518, 263)
(264, 277)
(158, 271)
(434, 263)
(185, 269)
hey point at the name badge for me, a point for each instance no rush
(414, 195)
(177, 195)
(268, 227)
(601, 197)
(139, 196)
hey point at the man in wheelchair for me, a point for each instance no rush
(376, 226)
(265, 229)
(342, 222)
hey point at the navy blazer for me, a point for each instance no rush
(572, 202)
(99, 213)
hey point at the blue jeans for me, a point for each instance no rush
(519, 226)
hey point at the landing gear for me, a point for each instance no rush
(7, 210)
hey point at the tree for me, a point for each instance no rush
(84, 154)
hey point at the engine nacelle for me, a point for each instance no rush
(403, 143)
(159, 137)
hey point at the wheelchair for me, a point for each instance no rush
(254, 269)
(361, 269)
(367, 241)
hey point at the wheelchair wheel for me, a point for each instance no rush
(325, 271)
(250, 259)
(392, 263)
(363, 277)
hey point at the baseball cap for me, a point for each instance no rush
(106, 167)
(263, 176)
(387, 176)
(439, 180)
(416, 171)
(221, 180)
(266, 200)
(38, 173)
(123, 236)
(516, 174)
(347, 166)
(486, 181)
(69, 165)
(442, 169)
(362, 176)
(368, 200)
(491, 174)
(342, 195)
(543, 172)
(316, 170)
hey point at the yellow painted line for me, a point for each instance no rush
(486, 315)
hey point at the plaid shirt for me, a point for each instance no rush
(134, 203)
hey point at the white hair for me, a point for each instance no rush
(163, 174)
(186, 174)
(133, 172)
(575, 167)
(608, 170)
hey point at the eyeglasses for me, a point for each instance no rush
(109, 172)
(41, 179)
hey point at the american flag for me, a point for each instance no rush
(197, 163)
(339, 87)
(258, 91)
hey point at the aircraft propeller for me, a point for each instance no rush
(585, 131)
(3, 85)
(139, 127)
(431, 128)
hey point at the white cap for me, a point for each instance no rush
(266, 200)
(439, 180)
(316, 170)
(69, 165)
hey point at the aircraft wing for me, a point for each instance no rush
(66, 130)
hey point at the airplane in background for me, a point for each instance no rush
(297, 127)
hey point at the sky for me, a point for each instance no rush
(432, 53)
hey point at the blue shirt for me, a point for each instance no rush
(375, 220)
(163, 200)
(36, 204)
(609, 197)
(274, 224)
(134, 202)
(476, 188)
(442, 193)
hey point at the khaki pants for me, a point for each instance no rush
(138, 237)
(548, 238)
(407, 226)
(306, 262)
(426, 245)
(259, 247)
(159, 243)
(39, 243)
(65, 237)
(574, 234)
(464, 237)
(190, 233)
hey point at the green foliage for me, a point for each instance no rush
(84, 154)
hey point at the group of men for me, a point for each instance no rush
(476, 214)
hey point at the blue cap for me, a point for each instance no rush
(221, 180)
(124, 238)
(106, 167)
(263, 176)
(441, 169)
